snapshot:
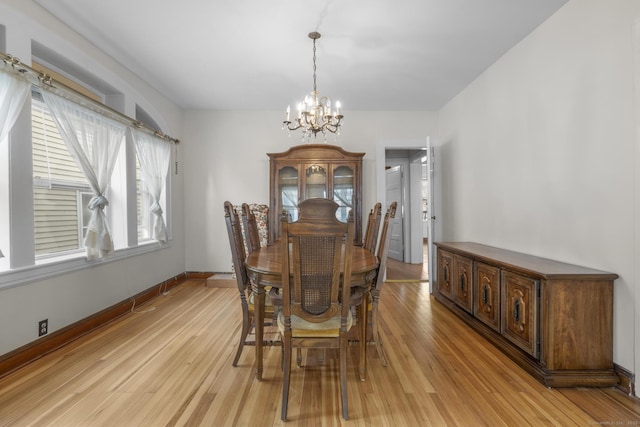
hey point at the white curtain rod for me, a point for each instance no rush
(46, 82)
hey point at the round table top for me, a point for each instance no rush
(267, 263)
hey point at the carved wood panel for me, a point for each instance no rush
(519, 311)
(486, 305)
(445, 271)
(463, 282)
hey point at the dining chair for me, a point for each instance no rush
(252, 237)
(242, 280)
(316, 311)
(378, 282)
(373, 226)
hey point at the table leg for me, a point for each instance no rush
(259, 326)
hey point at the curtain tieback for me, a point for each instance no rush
(98, 201)
(156, 208)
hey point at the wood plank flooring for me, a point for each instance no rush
(398, 271)
(169, 364)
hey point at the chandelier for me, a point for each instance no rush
(314, 112)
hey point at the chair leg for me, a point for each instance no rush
(343, 375)
(286, 344)
(282, 356)
(243, 334)
(362, 326)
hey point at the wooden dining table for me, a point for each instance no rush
(264, 267)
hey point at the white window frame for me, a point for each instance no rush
(16, 151)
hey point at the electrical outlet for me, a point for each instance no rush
(43, 327)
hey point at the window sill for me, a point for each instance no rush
(61, 265)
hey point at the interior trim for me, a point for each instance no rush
(627, 380)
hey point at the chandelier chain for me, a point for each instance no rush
(315, 86)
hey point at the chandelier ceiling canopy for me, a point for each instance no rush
(315, 113)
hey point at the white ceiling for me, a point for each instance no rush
(255, 54)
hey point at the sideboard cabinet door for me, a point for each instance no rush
(445, 271)
(486, 290)
(520, 311)
(463, 282)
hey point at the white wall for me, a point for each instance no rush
(226, 157)
(537, 155)
(67, 298)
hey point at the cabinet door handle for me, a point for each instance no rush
(446, 273)
(463, 280)
(520, 311)
(487, 298)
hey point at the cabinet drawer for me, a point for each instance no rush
(462, 285)
(445, 270)
(520, 311)
(486, 290)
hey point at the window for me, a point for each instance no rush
(143, 197)
(51, 225)
(60, 190)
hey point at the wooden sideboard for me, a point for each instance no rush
(315, 170)
(553, 319)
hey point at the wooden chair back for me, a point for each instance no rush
(373, 227)
(383, 248)
(252, 235)
(236, 243)
(312, 276)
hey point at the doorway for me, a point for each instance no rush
(406, 183)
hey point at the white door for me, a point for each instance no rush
(431, 218)
(394, 193)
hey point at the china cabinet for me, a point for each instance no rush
(315, 170)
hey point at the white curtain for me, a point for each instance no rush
(93, 141)
(154, 154)
(13, 93)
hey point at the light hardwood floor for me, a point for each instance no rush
(170, 364)
(398, 271)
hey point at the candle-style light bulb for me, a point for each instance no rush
(288, 111)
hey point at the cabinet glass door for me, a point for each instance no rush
(288, 191)
(343, 184)
(316, 182)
